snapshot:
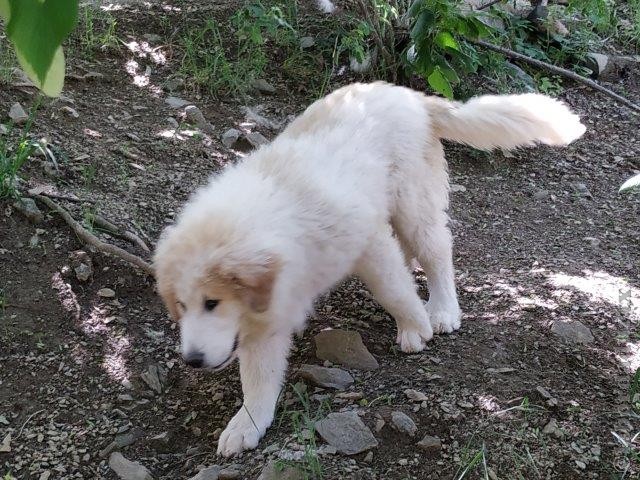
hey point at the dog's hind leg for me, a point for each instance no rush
(382, 268)
(420, 220)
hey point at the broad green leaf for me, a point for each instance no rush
(421, 27)
(415, 8)
(633, 182)
(445, 40)
(448, 72)
(37, 28)
(439, 83)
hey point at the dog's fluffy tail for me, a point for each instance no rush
(506, 121)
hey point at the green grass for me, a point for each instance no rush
(470, 460)
(13, 155)
(96, 31)
(302, 422)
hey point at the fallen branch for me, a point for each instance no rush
(88, 238)
(557, 70)
(112, 229)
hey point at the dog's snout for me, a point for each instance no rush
(194, 359)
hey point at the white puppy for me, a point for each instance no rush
(356, 184)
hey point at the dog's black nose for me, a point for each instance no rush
(195, 359)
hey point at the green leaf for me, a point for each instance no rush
(449, 73)
(440, 83)
(633, 182)
(37, 28)
(445, 40)
(421, 27)
(413, 10)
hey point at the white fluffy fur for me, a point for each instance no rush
(357, 184)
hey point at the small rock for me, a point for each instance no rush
(3, 129)
(229, 473)
(5, 446)
(71, 112)
(81, 264)
(454, 188)
(256, 139)
(161, 442)
(523, 77)
(208, 473)
(593, 242)
(429, 444)
(17, 114)
(326, 377)
(307, 42)
(572, 332)
(581, 190)
(153, 377)
(195, 116)
(368, 458)
(581, 465)
(277, 471)
(173, 84)
(106, 293)
(346, 348)
(415, 395)
(252, 116)
(346, 432)
(27, 207)
(230, 137)
(541, 195)
(551, 428)
(598, 63)
(126, 469)
(403, 423)
(176, 102)
(173, 122)
(327, 450)
(263, 86)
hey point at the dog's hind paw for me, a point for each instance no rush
(241, 434)
(413, 340)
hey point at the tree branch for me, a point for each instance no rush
(557, 70)
(89, 238)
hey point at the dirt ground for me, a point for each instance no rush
(542, 240)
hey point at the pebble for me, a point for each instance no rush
(326, 377)
(208, 473)
(551, 428)
(161, 442)
(176, 102)
(17, 114)
(230, 137)
(415, 395)
(346, 348)
(430, 444)
(263, 86)
(126, 469)
(454, 188)
(153, 376)
(195, 116)
(27, 207)
(347, 432)
(229, 473)
(572, 332)
(274, 471)
(3, 129)
(256, 139)
(307, 42)
(403, 423)
(106, 293)
(71, 112)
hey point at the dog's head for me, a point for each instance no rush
(214, 284)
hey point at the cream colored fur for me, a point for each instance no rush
(357, 184)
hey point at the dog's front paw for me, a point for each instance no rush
(413, 339)
(241, 434)
(444, 320)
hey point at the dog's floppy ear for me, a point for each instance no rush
(253, 282)
(169, 298)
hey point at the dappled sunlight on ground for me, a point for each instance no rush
(602, 287)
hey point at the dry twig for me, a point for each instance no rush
(87, 237)
(557, 70)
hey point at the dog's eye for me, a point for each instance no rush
(210, 304)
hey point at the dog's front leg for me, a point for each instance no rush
(263, 363)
